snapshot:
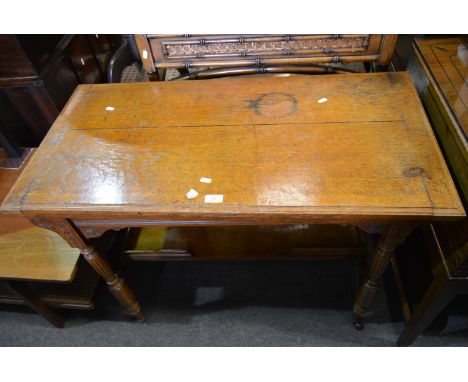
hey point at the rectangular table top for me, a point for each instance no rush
(331, 147)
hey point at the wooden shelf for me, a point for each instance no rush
(77, 294)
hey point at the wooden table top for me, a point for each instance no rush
(303, 148)
(446, 60)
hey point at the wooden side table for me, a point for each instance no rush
(353, 149)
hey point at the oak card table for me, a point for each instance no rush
(333, 149)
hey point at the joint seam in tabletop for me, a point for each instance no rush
(236, 125)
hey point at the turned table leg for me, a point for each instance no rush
(117, 286)
(390, 238)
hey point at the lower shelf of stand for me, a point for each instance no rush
(78, 294)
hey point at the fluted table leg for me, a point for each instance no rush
(117, 286)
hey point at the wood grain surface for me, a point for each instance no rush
(447, 62)
(276, 154)
(439, 71)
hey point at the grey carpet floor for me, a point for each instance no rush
(304, 303)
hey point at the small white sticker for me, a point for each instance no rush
(191, 194)
(213, 198)
(145, 54)
(82, 62)
(110, 108)
(205, 180)
(322, 100)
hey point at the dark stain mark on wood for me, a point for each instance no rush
(413, 172)
(274, 105)
(394, 79)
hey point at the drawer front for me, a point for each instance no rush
(229, 50)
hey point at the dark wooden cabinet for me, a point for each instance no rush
(38, 73)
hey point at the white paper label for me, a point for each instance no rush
(110, 108)
(191, 194)
(205, 180)
(213, 198)
(322, 100)
(145, 54)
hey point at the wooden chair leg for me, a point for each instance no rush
(10, 145)
(434, 301)
(22, 289)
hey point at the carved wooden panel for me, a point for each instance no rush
(171, 51)
(241, 47)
